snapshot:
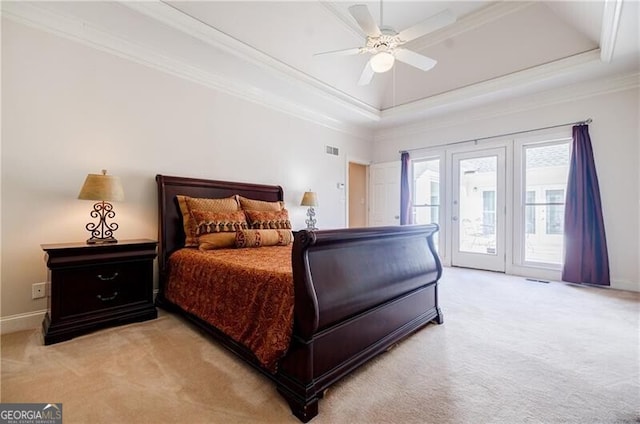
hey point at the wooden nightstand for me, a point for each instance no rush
(95, 286)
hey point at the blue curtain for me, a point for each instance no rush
(406, 214)
(586, 258)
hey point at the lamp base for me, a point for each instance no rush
(107, 240)
(102, 232)
(311, 221)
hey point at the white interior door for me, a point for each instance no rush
(384, 194)
(478, 209)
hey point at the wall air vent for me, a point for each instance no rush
(332, 151)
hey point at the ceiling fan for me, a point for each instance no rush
(384, 43)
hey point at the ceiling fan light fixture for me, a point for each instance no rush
(385, 44)
(382, 62)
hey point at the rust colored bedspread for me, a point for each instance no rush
(245, 293)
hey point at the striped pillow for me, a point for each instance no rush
(218, 222)
(259, 238)
(268, 220)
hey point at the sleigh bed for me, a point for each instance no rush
(354, 292)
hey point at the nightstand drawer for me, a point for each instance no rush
(96, 286)
(91, 289)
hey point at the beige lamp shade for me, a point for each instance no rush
(102, 187)
(309, 199)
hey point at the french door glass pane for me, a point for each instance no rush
(546, 173)
(555, 211)
(477, 205)
(530, 213)
(426, 193)
(488, 211)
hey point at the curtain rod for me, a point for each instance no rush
(586, 121)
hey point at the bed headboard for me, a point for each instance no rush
(170, 229)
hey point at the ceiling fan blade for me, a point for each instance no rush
(435, 22)
(414, 59)
(343, 52)
(361, 14)
(367, 74)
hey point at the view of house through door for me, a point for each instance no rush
(357, 195)
(478, 209)
(541, 191)
(426, 194)
(485, 199)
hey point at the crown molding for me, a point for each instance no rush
(185, 23)
(525, 103)
(495, 85)
(29, 14)
(609, 33)
(365, 116)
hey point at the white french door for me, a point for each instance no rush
(478, 211)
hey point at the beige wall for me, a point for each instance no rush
(69, 110)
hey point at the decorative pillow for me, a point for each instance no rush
(268, 220)
(218, 222)
(259, 205)
(187, 204)
(217, 241)
(259, 238)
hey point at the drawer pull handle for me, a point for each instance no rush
(108, 278)
(107, 298)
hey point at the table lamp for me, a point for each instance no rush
(310, 199)
(104, 188)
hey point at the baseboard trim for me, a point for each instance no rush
(21, 322)
(625, 285)
(29, 320)
(32, 320)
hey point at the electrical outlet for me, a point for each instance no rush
(38, 290)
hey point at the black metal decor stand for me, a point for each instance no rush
(102, 232)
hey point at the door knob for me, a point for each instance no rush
(396, 217)
(454, 218)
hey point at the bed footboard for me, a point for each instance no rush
(357, 292)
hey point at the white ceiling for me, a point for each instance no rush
(264, 50)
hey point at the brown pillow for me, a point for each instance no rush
(259, 238)
(268, 220)
(187, 204)
(217, 241)
(218, 222)
(259, 205)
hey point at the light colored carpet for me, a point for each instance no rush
(510, 351)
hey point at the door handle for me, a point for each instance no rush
(396, 217)
(454, 218)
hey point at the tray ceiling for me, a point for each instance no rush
(265, 50)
